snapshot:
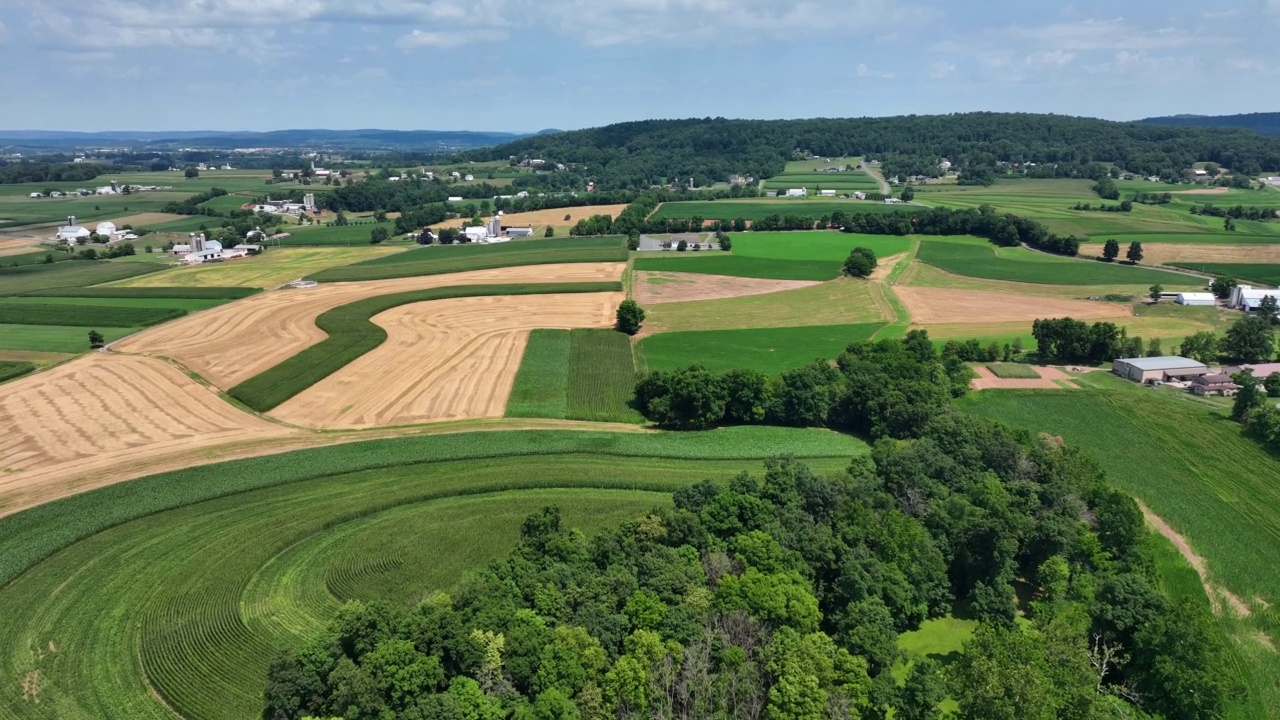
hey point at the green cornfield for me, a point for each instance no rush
(602, 377)
(542, 385)
(85, 315)
(176, 293)
(10, 369)
(81, 273)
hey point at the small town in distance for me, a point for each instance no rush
(946, 391)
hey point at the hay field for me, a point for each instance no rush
(104, 410)
(540, 218)
(943, 306)
(838, 302)
(442, 360)
(655, 288)
(271, 269)
(1164, 253)
(234, 342)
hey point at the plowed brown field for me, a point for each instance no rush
(104, 410)
(234, 342)
(442, 360)
(939, 305)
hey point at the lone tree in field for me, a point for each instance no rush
(1111, 250)
(1134, 255)
(1156, 291)
(630, 317)
(860, 263)
(550, 232)
(378, 236)
(908, 194)
(192, 173)
(95, 340)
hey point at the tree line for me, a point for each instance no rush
(782, 595)
(33, 172)
(642, 154)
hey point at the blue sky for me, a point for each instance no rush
(532, 64)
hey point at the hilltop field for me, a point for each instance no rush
(244, 456)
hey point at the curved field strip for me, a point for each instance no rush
(442, 360)
(942, 306)
(271, 269)
(192, 602)
(235, 342)
(101, 410)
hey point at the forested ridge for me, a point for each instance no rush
(782, 595)
(638, 154)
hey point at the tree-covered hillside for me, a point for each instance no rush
(1265, 123)
(638, 154)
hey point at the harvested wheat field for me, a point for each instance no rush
(18, 246)
(1202, 191)
(655, 288)
(234, 342)
(1158, 253)
(442, 360)
(104, 410)
(943, 306)
(538, 218)
(271, 269)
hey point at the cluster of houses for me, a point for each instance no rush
(804, 192)
(286, 207)
(75, 234)
(494, 232)
(1182, 372)
(114, 188)
(198, 250)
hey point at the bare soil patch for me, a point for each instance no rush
(443, 360)
(1202, 191)
(886, 266)
(946, 306)
(987, 380)
(538, 218)
(1159, 253)
(1216, 594)
(655, 288)
(102, 409)
(234, 342)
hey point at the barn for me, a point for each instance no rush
(1195, 299)
(1158, 369)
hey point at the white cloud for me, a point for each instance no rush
(4, 33)
(866, 72)
(1055, 59)
(457, 38)
(1250, 65)
(941, 69)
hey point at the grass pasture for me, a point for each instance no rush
(55, 338)
(184, 586)
(81, 273)
(440, 259)
(755, 209)
(351, 334)
(1262, 274)
(541, 388)
(839, 302)
(816, 255)
(768, 350)
(975, 257)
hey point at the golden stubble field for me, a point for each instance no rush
(442, 360)
(541, 218)
(234, 342)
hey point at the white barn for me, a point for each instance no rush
(1248, 298)
(1195, 299)
(798, 192)
(72, 232)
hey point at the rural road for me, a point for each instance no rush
(884, 184)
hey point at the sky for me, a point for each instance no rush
(525, 65)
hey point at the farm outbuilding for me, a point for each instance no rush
(1214, 385)
(1158, 369)
(1195, 299)
(1249, 298)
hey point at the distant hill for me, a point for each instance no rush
(220, 140)
(1265, 123)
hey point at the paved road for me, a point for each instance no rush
(884, 184)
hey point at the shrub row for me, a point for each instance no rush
(85, 315)
(352, 334)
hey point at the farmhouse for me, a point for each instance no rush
(1195, 299)
(72, 232)
(1158, 369)
(1248, 298)
(1214, 385)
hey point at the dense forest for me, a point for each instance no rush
(782, 596)
(640, 154)
(1264, 123)
(30, 172)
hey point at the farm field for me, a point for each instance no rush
(313, 533)
(828, 245)
(541, 387)
(655, 288)
(942, 306)
(539, 219)
(1181, 254)
(272, 268)
(443, 360)
(354, 235)
(815, 178)
(1259, 273)
(1218, 492)
(441, 259)
(768, 350)
(734, 265)
(10, 369)
(81, 273)
(55, 338)
(32, 256)
(754, 209)
(919, 274)
(95, 315)
(602, 377)
(839, 302)
(235, 342)
(975, 257)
